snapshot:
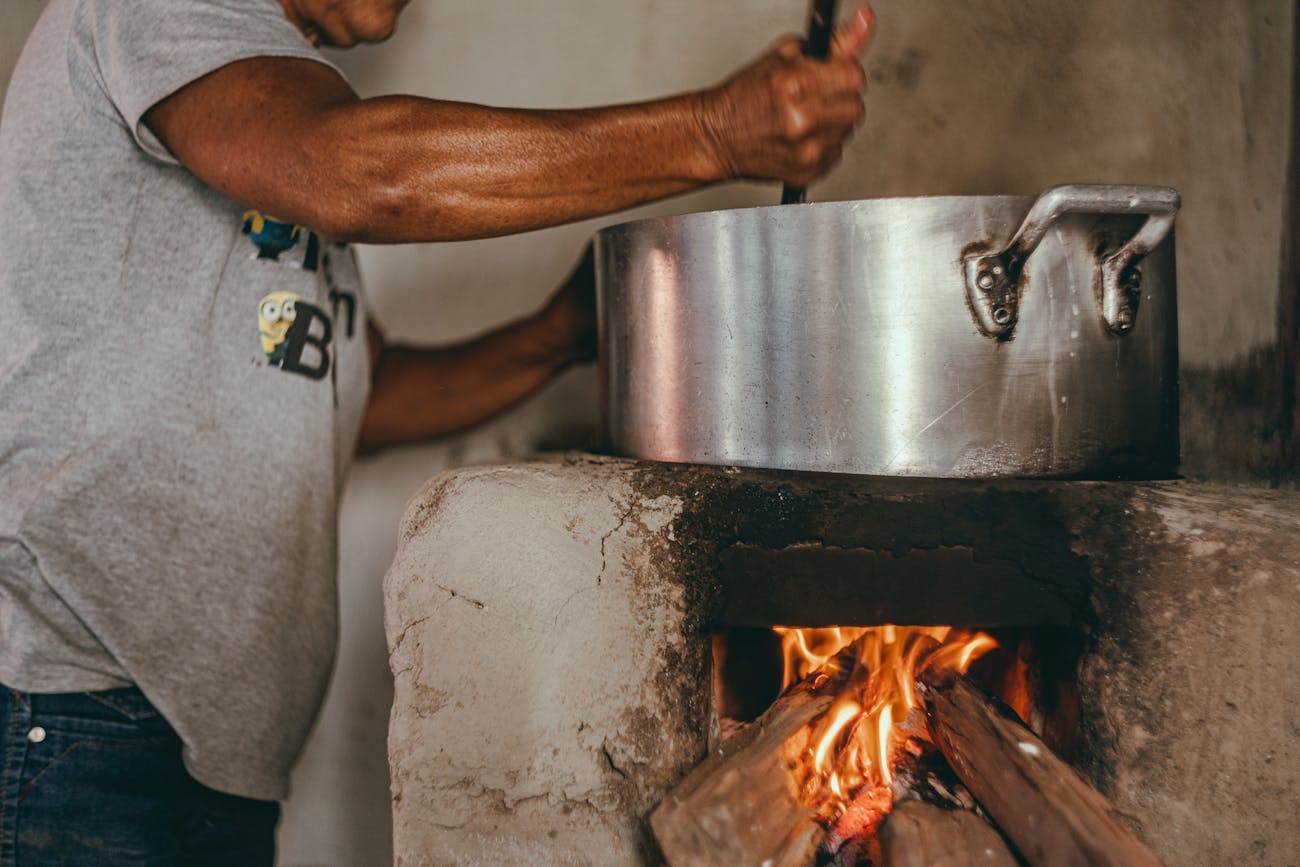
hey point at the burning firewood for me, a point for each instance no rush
(918, 834)
(822, 754)
(742, 806)
(1049, 812)
(927, 817)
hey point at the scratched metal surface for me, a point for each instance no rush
(837, 337)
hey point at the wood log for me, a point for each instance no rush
(742, 805)
(1048, 811)
(917, 834)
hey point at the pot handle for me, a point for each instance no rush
(993, 280)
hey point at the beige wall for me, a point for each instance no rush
(1004, 97)
(16, 20)
(999, 96)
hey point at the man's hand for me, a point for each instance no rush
(786, 117)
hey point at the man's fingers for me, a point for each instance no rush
(842, 75)
(789, 47)
(787, 116)
(852, 36)
(846, 111)
(832, 114)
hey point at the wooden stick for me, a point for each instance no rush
(742, 806)
(1050, 813)
(918, 834)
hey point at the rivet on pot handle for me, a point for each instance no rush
(993, 279)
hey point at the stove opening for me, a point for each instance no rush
(869, 748)
(1032, 670)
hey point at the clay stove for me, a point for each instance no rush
(552, 624)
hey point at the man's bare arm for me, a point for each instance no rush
(417, 394)
(289, 137)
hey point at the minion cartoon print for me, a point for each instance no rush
(295, 335)
(271, 236)
(275, 314)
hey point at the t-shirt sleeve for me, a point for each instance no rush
(138, 52)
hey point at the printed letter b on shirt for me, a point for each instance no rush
(300, 337)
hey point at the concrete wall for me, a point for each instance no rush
(551, 663)
(1004, 96)
(1007, 97)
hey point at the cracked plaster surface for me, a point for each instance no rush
(528, 624)
(1190, 686)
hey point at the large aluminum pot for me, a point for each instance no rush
(973, 336)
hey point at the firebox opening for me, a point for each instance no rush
(1032, 670)
(850, 724)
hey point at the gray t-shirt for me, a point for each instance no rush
(181, 386)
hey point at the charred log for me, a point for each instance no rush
(1047, 810)
(918, 834)
(742, 805)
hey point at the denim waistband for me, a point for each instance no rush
(125, 705)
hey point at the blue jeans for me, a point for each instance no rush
(96, 778)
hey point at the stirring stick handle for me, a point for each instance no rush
(821, 21)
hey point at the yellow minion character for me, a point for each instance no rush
(271, 236)
(275, 313)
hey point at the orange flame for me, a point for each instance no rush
(854, 742)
